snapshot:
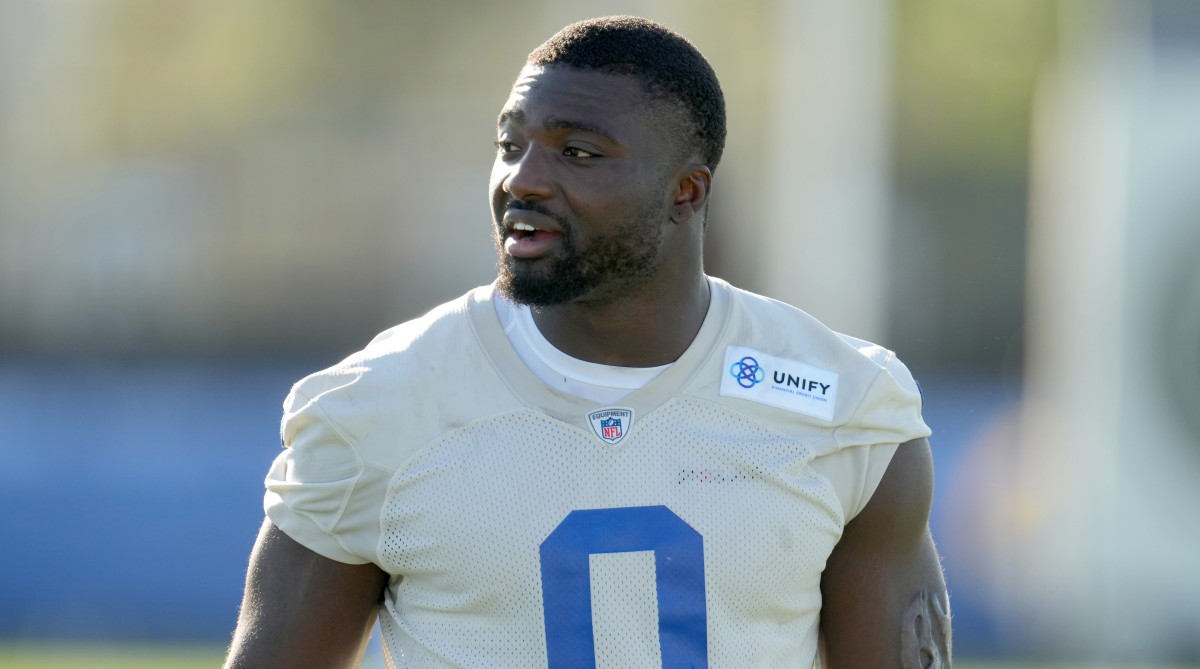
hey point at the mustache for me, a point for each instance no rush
(527, 205)
(513, 204)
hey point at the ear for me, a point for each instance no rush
(691, 192)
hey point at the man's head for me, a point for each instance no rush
(605, 153)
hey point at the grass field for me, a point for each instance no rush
(106, 656)
(111, 656)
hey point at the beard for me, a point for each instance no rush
(603, 270)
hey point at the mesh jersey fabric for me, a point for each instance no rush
(516, 537)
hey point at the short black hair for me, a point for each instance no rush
(669, 64)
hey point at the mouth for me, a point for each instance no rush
(523, 231)
(529, 235)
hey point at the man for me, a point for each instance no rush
(606, 458)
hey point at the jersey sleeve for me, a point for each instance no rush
(320, 492)
(888, 415)
(889, 412)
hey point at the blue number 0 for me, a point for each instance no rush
(679, 568)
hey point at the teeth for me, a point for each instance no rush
(524, 227)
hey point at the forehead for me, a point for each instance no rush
(545, 95)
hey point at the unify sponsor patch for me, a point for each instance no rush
(779, 382)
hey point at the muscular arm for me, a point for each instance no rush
(302, 609)
(884, 598)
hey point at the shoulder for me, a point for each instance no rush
(870, 398)
(421, 347)
(401, 385)
(393, 354)
(793, 331)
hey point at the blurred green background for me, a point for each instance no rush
(201, 202)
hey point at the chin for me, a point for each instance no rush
(520, 282)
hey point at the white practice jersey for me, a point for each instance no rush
(524, 527)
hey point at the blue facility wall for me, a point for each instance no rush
(132, 492)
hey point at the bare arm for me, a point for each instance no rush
(884, 597)
(302, 609)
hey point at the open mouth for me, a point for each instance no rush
(525, 240)
(523, 231)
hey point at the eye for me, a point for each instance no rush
(505, 146)
(577, 152)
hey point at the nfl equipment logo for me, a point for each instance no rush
(611, 423)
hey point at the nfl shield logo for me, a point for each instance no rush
(611, 423)
(611, 429)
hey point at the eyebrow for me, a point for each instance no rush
(555, 123)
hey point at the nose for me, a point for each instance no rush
(529, 176)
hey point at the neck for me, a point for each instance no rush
(646, 328)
